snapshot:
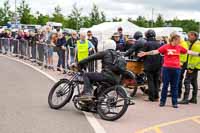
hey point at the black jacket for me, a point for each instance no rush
(107, 61)
(71, 42)
(152, 62)
(94, 41)
(33, 40)
(61, 42)
(105, 56)
(136, 48)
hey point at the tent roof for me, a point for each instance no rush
(108, 28)
(127, 26)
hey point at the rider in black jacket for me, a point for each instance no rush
(107, 75)
(140, 41)
(152, 64)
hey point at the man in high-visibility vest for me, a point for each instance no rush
(183, 59)
(193, 65)
(83, 47)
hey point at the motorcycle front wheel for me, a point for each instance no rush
(60, 94)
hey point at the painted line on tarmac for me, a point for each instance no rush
(158, 126)
(158, 130)
(196, 121)
(89, 116)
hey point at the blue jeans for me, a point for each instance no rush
(170, 76)
(61, 58)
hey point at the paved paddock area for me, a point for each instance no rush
(143, 117)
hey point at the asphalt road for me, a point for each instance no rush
(24, 108)
(23, 104)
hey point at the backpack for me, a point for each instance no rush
(119, 63)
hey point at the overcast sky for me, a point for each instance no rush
(183, 9)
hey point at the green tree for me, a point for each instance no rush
(5, 13)
(75, 18)
(57, 15)
(86, 22)
(160, 22)
(42, 19)
(97, 17)
(187, 25)
(103, 17)
(116, 19)
(141, 21)
(24, 12)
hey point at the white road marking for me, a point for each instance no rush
(89, 116)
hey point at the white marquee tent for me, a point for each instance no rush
(105, 30)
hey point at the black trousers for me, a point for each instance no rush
(180, 85)
(90, 77)
(191, 79)
(153, 84)
(40, 48)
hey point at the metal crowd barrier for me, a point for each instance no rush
(35, 52)
(5, 45)
(92, 66)
(23, 49)
(1, 42)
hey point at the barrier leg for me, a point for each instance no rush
(20, 49)
(0, 45)
(26, 49)
(15, 47)
(5, 47)
(33, 52)
(23, 49)
(46, 55)
(41, 54)
(10, 46)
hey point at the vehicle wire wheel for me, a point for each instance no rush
(60, 94)
(113, 103)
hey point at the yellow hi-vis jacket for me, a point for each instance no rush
(194, 61)
(183, 57)
(82, 50)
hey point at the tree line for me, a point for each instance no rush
(75, 20)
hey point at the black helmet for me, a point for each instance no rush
(150, 34)
(137, 35)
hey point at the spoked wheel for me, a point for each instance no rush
(60, 94)
(113, 103)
